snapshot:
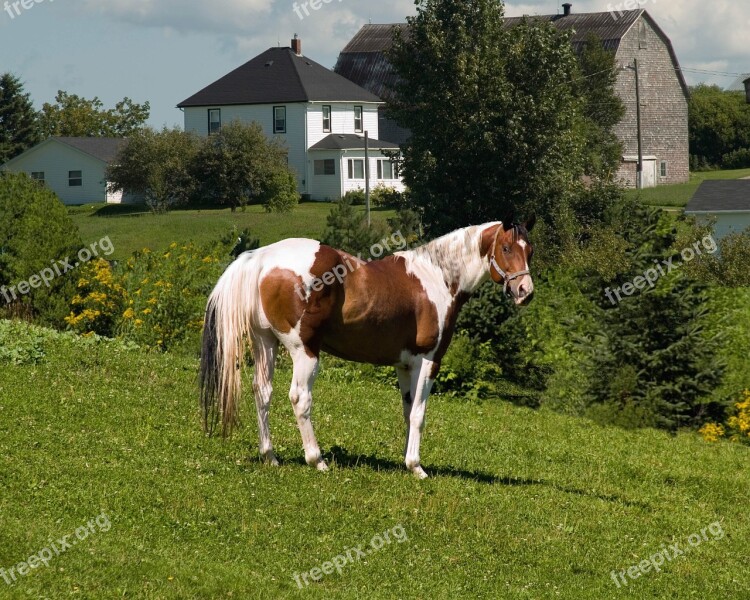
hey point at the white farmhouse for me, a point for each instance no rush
(73, 167)
(318, 115)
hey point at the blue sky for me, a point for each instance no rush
(166, 50)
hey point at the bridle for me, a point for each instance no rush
(507, 278)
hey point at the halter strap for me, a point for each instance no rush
(507, 278)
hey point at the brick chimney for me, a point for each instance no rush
(566, 9)
(297, 45)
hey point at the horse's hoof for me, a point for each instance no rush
(322, 466)
(270, 459)
(419, 473)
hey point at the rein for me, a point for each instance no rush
(507, 278)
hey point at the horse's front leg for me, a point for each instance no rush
(422, 377)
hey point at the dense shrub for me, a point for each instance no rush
(386, 197)
(737, 426)
(347, 229)
(355, 197)
(35, 233)
(737, 159)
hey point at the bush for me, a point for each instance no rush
(348, 230)
(737, 159)
(355, 197)
(35, 233)
(386, 197)
(737, 426)
(280, 193)
(156, 300)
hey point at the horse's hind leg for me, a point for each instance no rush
(264, 353)
(300, 393)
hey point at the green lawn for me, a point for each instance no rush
(133, 228)
(679, 195)
(520, 504)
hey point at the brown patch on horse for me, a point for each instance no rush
(382, 312)
(281, 304)
(488, 238)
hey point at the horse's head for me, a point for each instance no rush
(510, 256)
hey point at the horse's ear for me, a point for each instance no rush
(529, 224)
(508, 222)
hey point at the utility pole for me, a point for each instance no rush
(639, 173)
(367, 175)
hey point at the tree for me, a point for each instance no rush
(156, 165)
(509, 110)
(240, 165)
(36, 238)
(18, 123)
(719, 124)
(73, 115)
(602, 110)
(347, 229)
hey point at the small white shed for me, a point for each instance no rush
(73, 167)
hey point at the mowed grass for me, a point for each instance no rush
(133, 228)
(520, 504)
(677, 196)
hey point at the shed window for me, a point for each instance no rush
(75, 178)
(325, 167)
(356, 168)
(663, 168)
(279, 119)
(358, 127)
(214, 120)
(326, 119)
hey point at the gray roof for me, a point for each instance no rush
(279, 75)
(351, 141)
(105, 149)
(363, 59)
(730, 195)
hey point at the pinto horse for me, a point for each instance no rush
(399, 311)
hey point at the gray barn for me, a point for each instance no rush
(629, 34)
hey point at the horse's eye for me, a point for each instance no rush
(506, 249)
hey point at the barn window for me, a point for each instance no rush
(38, 175)
(214, 120)
(75, 178)
(643, 36)
(358, 126)
(356, 168)
(325, 167)
(279, 119)
(663, 168)
(326, 119)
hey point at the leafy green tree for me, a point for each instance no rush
(239, 165)
(158, 166)
(73, 115)
(19, 129)
(602, 110)
(509, 110)
(36, 235)
(719, 123)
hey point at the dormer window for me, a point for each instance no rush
(326, 119)
(279, 119)
(358, 127)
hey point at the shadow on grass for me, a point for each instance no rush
(343, 459)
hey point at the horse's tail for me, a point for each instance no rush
(226, 331)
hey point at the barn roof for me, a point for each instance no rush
(732, 195)
(363, 60)
(279, 75)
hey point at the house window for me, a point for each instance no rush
(663, 168)
(214, 120)
(38, 175)
(356, 168)
(358, 119)
(326, 119)
(75, 178)
(279, 119)
(325, 167)
(387, 170)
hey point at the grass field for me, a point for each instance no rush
(132, 228)
(677, 196)
(520, 504)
